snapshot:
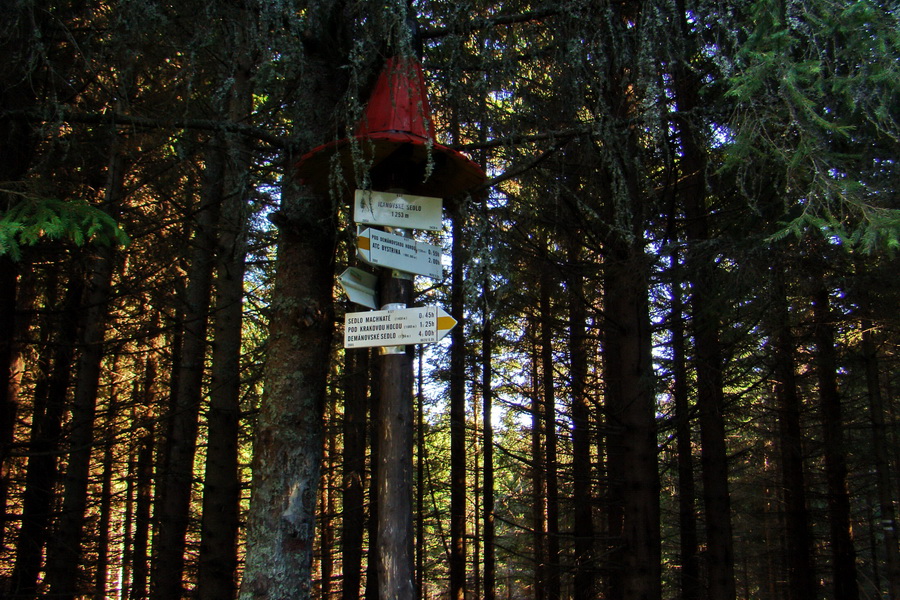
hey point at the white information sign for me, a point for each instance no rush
(359, 286)
(394, 251)
(398, 210)
(425, 325)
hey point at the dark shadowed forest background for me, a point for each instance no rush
(675, 373)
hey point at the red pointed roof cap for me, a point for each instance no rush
(398, 102)
(395, 137)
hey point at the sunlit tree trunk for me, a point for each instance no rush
(487, 398)
(538, 485)
(50, 402)
(288, 448)
(64, 549)
(10, 374)
(104, 520)
(140, 554)
(372, 591)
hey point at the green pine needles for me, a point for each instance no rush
(33, 219)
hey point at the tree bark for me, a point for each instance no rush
(50, 401)
(843, 552)
(65, 549)
(396, 560)
(173, 489)
(538, 489)
(356, 371)
(551, 478)
(11, 364)
(692, 189)
(218, 561)
(798, 537)
(140, 556)
(457, 416)
(288, 449)
(687, 514)
(582, 496)
(487, 399)
(631, 414)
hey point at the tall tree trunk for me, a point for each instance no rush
(457, 416)
(173, 490)
(880, 442)
(41, 473)
(356, 369)
(288, 448)
(843, 552)
(631, 414)
(708, 363)
(140, 556)
(329, 507)
(11, 364)
(538, 489)
(420, 474)
(104, 520)
(582, 497)
(487, 399)
(882, 463)
(64, 550)
(553, 581)
(372, 585)
(798, 538)
(689, 557)
(218, 561)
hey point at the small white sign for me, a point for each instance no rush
(359, 286)
(426, 325)
(398, 210)
(394, 251)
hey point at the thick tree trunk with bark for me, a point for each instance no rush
(289, 432)
(631, 414)
(705, 326)
(140, 554)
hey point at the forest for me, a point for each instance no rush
(675, 370)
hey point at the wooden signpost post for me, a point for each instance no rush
(396, 139)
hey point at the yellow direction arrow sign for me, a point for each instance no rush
(398, 252)
(425, 325)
